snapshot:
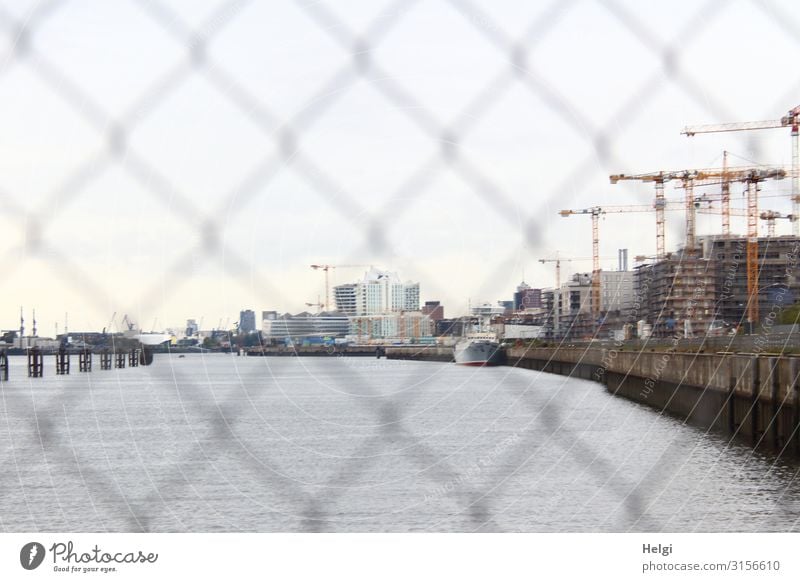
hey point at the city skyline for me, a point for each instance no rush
(200, 160)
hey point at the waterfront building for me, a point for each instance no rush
(376, 293)
(191, 327)
(434, 310)
(705, 292)
(526, 297)
(247, 321)
(405, 325)
(304, 326)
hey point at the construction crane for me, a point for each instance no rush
(325, 269)
(792, 120)
(752, 181)
(752, 178)
(557, 260)
(595, 212)
(318, 305)
(688, 180)
(769, 216)
(658, 178)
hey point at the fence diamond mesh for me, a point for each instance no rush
(164, 153)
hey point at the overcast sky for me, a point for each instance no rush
(192, 158)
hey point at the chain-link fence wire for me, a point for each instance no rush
(512, 56)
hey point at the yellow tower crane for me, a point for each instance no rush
(792, 120)
(689, 179)
(557, 260)
(595, 212)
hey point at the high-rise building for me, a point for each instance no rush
(191, 327)
(247, 321)
(345, 298)
(526, 297)
(434, 310)
(377, 293)
(616, 290)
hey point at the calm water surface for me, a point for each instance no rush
(225, 443)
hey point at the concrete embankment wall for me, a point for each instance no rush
(749, 395)
(753, 396)
(422, 353)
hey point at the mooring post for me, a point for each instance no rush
(62, 362)
(3, 366)
(119, 360)
(145, 357)
(133, 358)
(35, 363)
(105, 360)
(85, 361)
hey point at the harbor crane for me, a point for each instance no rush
(325, 269)
(791, 120)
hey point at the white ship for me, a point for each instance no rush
(146, 338)
(152, 338)
(479, 348)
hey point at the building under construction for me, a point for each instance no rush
(706, 292)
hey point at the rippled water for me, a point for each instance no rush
(225, 443)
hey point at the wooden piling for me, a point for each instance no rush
(105, 360)
(3, 366)
(133, 358)
(119, 360)
(35, 363)
(62, 362)
(85, 361)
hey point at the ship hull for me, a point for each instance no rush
(478, 353)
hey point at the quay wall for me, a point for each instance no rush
(752, 396)
(755, 396)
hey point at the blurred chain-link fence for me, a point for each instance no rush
(590, 81)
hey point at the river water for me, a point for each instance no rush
(225, 443)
